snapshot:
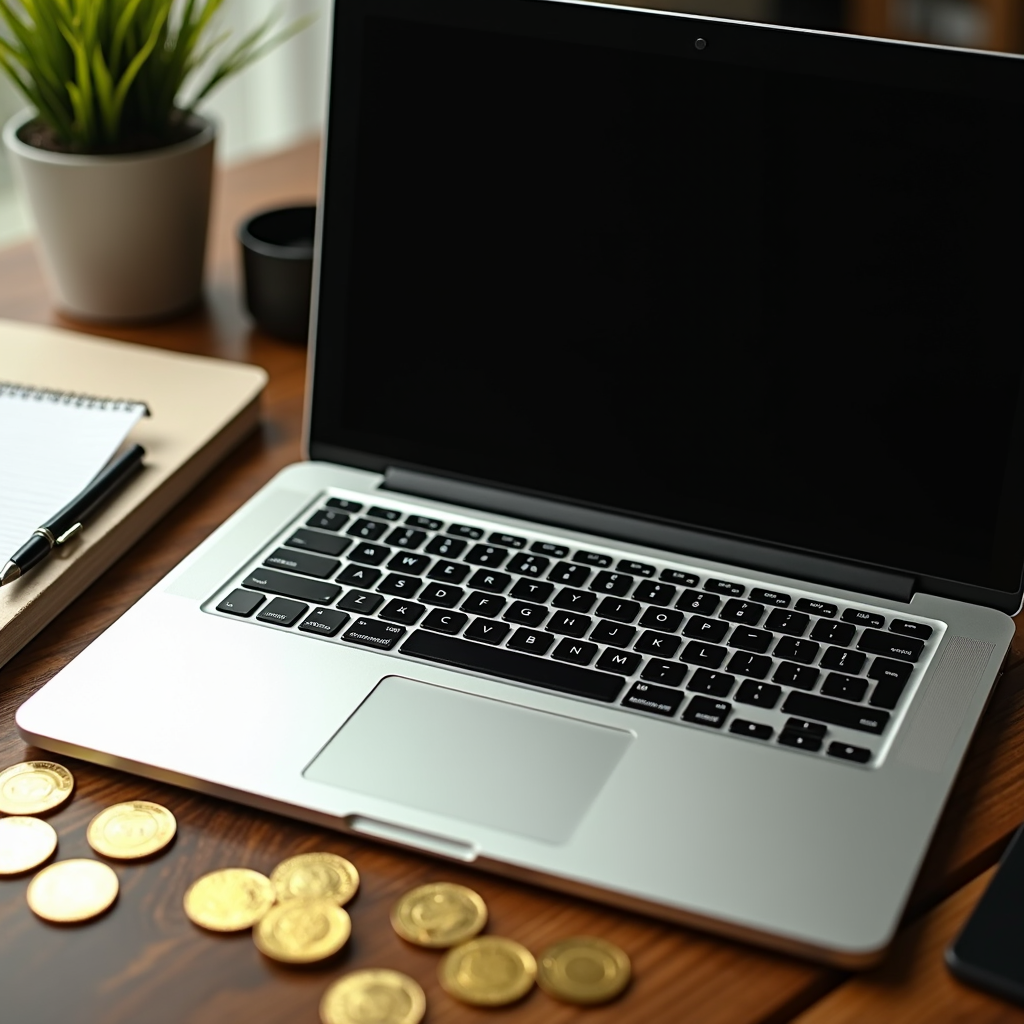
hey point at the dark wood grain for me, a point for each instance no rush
(144, 961)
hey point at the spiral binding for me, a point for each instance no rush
(69, 398)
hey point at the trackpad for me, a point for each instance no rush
(472, 758)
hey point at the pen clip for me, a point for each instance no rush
(68, 534)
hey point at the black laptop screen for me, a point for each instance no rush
(772, 287)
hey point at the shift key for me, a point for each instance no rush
(835, 712)
(312, 591)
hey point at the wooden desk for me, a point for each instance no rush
(145, 962)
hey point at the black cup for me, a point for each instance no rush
(277, 256)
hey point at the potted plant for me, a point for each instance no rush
(114, 160)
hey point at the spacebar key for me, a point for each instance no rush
(524, 668)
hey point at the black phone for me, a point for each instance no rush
(989, 952)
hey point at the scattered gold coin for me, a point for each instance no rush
(229, 900)
(439, 915)
(131, 830)
(583, 970)
(311, 876)
(489, 971)
(24, 844)
(72, 890)
(34, 787)
(373, 997)
(302, 931)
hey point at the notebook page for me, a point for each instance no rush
(51, 446)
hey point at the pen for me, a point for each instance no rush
(67, 523)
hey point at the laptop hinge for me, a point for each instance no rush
(673, 538)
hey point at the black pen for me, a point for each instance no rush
(67, 523)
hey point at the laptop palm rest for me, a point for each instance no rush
(472, 758)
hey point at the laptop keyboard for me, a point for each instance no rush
(651, 637)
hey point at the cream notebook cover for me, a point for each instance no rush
(200, 409)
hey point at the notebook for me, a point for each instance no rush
(666, 435)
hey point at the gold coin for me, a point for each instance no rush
(72, 890)
(24, 844)
(34, 787)
(131, 830)
(489, 971)
(229, 900)
(303, 931)
(583, 970)
(439, 915)
(373, 997)
(310, 876)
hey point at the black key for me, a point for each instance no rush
(790, 623)
(323, 622)
(507, 540)
(764, 695)
(390, 514)
(344, 504)
(592, 558)
(528, 565)
(742, 611)
(424, 522)
(299, 587)
(488, 632)
(800, 741)
(486, 554)
(662, 644)
(752, 729)
(706, 629)
(409, 564)
(842, 660)
(462, 530)
(443, 594)
(654, 593)
(772, 597)
(569, 623)
(369, 554)
(448, 572)
(359, 576)
(492, 582)
(724, 587)
(835, 712)
(531, 590)
(367, 530)
(840, 633)
(654, 699)
(406, 612)
(324, 543)
(804, 651)
(848, 753)
(574, 600)
(847, 687)
(370, 633)
(694, 601)
(360, 601)
(400, 586)
(747, 639)
(446, 622)
(861, 618)
(446, 547)
(918, 629)
(636, 568)
(530, 641)
(612, 583)
(755, 665)
(526, 614)
(542, 547)
(404, 537)
(669, 673)
(805, 604)
(483, 604)
(569, 575)
(576, 652)
(714, 684)
(683, 579)
(903, 648)
(328, 520)
(892, 679)
(705, 711)
(614, 633)
(241, 602)
(801, 676)
(620, 611)
(806, 728)
(697, 653)
(624, 662)
(662, 618)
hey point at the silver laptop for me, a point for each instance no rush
(664, 508)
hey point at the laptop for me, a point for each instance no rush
(662, 517)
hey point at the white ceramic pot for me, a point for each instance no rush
(121, 237)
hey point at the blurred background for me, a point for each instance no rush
(281, 99)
